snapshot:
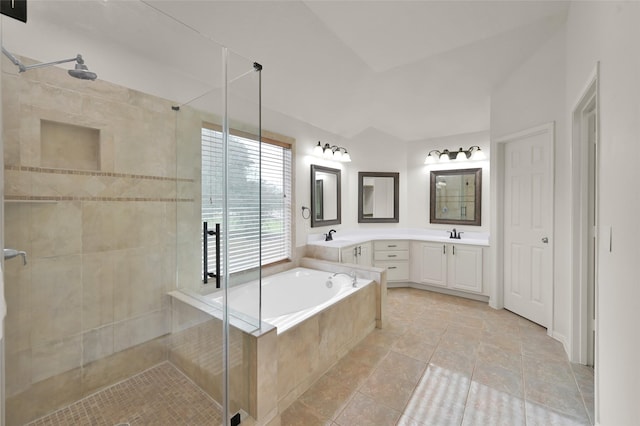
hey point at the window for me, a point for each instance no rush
(246, 189)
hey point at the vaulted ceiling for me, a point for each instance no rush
(412, 69)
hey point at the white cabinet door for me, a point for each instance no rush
(359, 254)
(347, 254)
(465, 267)
(434, 263)
(364, 254)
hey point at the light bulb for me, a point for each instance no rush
(479, 155)
(430, 159)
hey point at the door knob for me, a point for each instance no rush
(545, 240)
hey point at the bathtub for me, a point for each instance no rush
(290, 297)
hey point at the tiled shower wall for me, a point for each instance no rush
(90, 307)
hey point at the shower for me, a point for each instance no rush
(81, 71)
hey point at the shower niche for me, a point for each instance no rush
(67, 146)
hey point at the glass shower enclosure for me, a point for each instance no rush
(107, 187)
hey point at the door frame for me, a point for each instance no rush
(497, 219)
(579, 227)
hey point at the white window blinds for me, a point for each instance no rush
(246, 189)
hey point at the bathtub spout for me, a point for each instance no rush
(352, 275)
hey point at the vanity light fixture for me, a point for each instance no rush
(332, 152)
(472, 154)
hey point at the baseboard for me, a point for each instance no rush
(562, 339)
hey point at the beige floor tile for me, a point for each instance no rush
(563, 399)
(388, 389)
(327, 397)
(488, 406)
(365, 411)
(539, 415)
(499, 378)
(351, 372)
(299, 414)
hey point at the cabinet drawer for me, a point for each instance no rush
(391, 245)
(391, 255)
(396, 271)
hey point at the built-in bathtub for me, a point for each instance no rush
(296, 343)
(290, 297)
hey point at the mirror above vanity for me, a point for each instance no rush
(456, 197)
(325, 196)
(378, 194)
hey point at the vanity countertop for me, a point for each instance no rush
(347, 238)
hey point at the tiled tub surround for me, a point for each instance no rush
(90, 307)
(265, 360)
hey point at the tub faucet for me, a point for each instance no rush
(352, 275)
(327, 236)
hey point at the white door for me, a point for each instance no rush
(528, 224)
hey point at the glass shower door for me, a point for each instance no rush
(219, 234)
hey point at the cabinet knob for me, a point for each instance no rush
(545, 240)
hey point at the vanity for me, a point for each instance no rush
(419, 258)
(422, 258)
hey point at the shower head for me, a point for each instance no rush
(81, 71)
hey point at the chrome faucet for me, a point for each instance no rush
(352, 275)
(11, 253)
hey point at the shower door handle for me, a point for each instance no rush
(206, 232)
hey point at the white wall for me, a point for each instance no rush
(547, 88)
(533, 95)
(609, 33)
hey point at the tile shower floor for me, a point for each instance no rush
(444, 360)
(161, 395)
(441, 360)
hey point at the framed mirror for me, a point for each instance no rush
(325, 196)
(456, 196)
(378, 194)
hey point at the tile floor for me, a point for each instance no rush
(159, 396)
(444, 360)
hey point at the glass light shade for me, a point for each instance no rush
(430, 159)
(317, 151)
(444, 157)
(478, 155)
(346, 157)
(337, 155)
(462, 156)
(328, 154)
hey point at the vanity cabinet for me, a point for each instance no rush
(455, 266)
(394, 256)
(359, 254)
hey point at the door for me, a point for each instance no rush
(591, 120)
(528, 224)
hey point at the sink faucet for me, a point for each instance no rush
(455, 235)
(328, 236)
(352, 275)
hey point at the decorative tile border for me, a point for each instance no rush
(92, 173)
(28, 198)
(55, 198)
